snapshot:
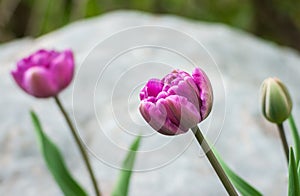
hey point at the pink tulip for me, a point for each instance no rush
(45, 73)
(177, 102)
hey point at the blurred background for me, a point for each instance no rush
(274, 20)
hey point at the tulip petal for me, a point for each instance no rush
(153, 115)
(62, 68)
(206, 93)
(38, 82)
(156, 117)
(151, 89)
(185, 112)
(187, 88)
(170, 129)
(42, 58)
(18, 78)
(172, 108)
(18, 73)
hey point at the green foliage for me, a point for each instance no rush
(46, 15)
(122, 185)
(35, 17)
(240, 184)
(55, 162)
(92, 8)
(293, 176)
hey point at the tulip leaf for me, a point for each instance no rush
(122, 185)
(293, 176)
(298, 172)
(55, 162)
(296, 138)
(240, 184)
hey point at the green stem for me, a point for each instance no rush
(214, 162)
(79, 144)
(284, 141)
(296, 137)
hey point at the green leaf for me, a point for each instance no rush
(240, 184)
(121, 188)
(55, 162)
(298, 172)
(293, 175)
(296, 138)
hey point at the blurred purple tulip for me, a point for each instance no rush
(177, 102)
(45, 73)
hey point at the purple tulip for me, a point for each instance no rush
(177, 102)
(45, 73)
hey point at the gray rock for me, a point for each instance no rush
(165, 165)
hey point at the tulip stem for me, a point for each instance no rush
(79, 144)
(214, 162)
(284, 141)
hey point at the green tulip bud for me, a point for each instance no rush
(276, 100)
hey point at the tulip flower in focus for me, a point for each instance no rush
(45, 73)
(276, 100)
(177, 102)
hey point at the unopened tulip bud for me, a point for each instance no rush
(276, 101)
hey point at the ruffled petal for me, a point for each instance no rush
(42, 58)
(205, 89)
(151, 89)
(157, 117)
(181, 112)
(187, 88)
(153, 115)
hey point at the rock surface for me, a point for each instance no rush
(249, 144)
